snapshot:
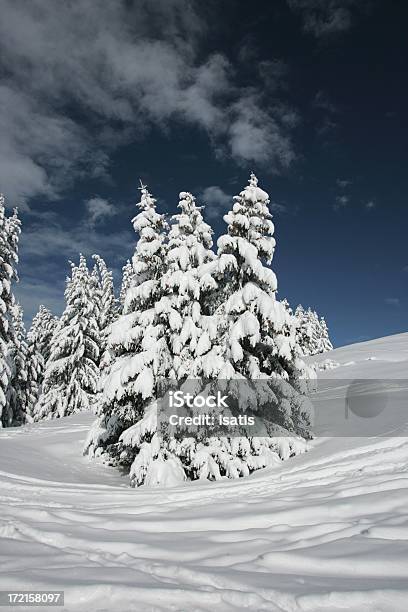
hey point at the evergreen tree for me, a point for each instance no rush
(191, 339)
(107, 312)
(105, 301)
(324, 343)
(137, 343)
(39, 348)
(261, 361)
(261, 337)
(71, 377)
(312, 332)
(287, 307)
(9, 236)
(41, 331)
(186, 285)
(304, 330)
(127, 277)
(25, 368)
(194, 328)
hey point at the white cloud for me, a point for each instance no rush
(341, 202)
(43, 238)
(82, 77)
(216, 201)
(257, 135)
(370, 205)
(98, 209)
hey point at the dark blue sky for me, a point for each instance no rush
(309, 94)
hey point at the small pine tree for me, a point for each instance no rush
(9, 236)
(24, 379)
(71, 378)
(39, 348)
(312, 332)
(324, 344)
(304, 330)
(105, 299)
(127, 278)
(41, 331)
(287, 307)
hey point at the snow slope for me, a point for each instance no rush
(327, 530)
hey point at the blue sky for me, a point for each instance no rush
(309, 94)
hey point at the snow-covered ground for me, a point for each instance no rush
(327, 530)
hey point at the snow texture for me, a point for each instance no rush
(326, 531)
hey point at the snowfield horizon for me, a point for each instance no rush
(323, 531)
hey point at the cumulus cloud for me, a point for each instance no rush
(80, 78)
(98, 209)
(257, 135)
(370, 205)
(216, 201)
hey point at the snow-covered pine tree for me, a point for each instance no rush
(39, 347)
(312, 332)
(41, 331)
(259, 360)
(304, 331)
(25, 368)
(71, 377)
(192, 344)
(186, 284)
(105, 299)
(176, 337)
(324, 343)
(261, 339)
(287, 306)
(127, 276)
(187, 348)
(137, 344)
(9, 236)
(107, 312)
